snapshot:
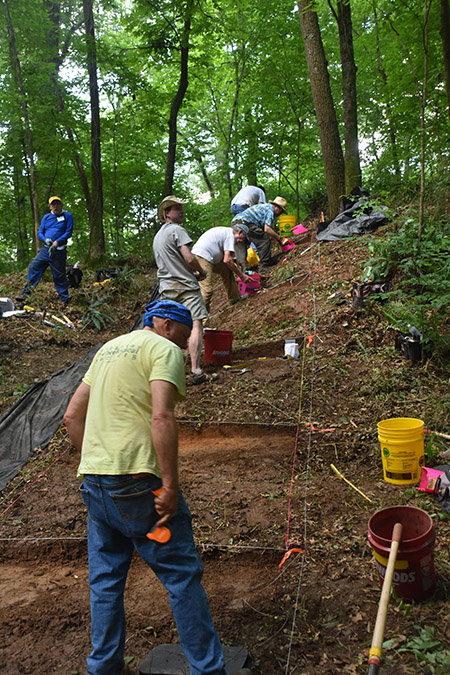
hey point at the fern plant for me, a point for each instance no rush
(94, 315)
(421, 296)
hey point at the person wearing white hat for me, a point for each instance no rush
(260, 220)
(179, 273)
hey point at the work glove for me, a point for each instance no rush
(50, 247)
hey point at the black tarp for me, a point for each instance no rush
(356, 216)
(32, 421)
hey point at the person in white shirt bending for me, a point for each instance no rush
(215, 252)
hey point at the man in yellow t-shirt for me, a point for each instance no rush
(122, 419)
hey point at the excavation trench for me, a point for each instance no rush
(236, 481)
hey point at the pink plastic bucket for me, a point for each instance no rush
(250, 287)
(218, 346)
(288, 246)
(414, 577)
(299, 229)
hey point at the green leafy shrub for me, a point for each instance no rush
(421, 272)
(428, 650)
(95, 316)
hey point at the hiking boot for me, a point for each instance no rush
(242, 671)
(197, 378)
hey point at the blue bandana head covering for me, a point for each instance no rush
(167, 309)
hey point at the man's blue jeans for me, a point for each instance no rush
(120, 513)
(57, 264)
(238, 208)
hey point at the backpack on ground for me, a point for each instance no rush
(441, 490)
(107, 273)
(74, 275)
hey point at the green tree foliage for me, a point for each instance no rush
(247, 115)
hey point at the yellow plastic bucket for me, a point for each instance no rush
(402, 449)
(285, 225)
(252, 257)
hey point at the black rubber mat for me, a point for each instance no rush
(170, 660)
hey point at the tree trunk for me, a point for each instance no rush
(239, 73)
(445, 37)
(96, 233)
(353, 176)
(197, 156)
(201, 165)
(251, 159)
(54, 15)
(382, 72)
(29, 147)
(423, 103)
(76, 156)
(117, 219)
(226, 129)
(21, 227)
(333, 159)
(177, 102)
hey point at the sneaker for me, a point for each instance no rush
(197, 378)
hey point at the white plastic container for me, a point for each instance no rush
(291, 349)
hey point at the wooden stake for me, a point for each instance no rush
(338, 473)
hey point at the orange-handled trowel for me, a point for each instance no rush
(161, 534)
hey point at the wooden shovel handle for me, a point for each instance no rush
(380, 623)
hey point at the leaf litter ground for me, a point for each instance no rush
(255, 455)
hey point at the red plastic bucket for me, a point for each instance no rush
(218, 346)
(414, 577)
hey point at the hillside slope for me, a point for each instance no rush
(256, 444)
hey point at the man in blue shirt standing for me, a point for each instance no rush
(55, 229)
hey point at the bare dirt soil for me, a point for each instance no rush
(256, 444)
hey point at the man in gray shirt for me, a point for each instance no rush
(179, 273)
